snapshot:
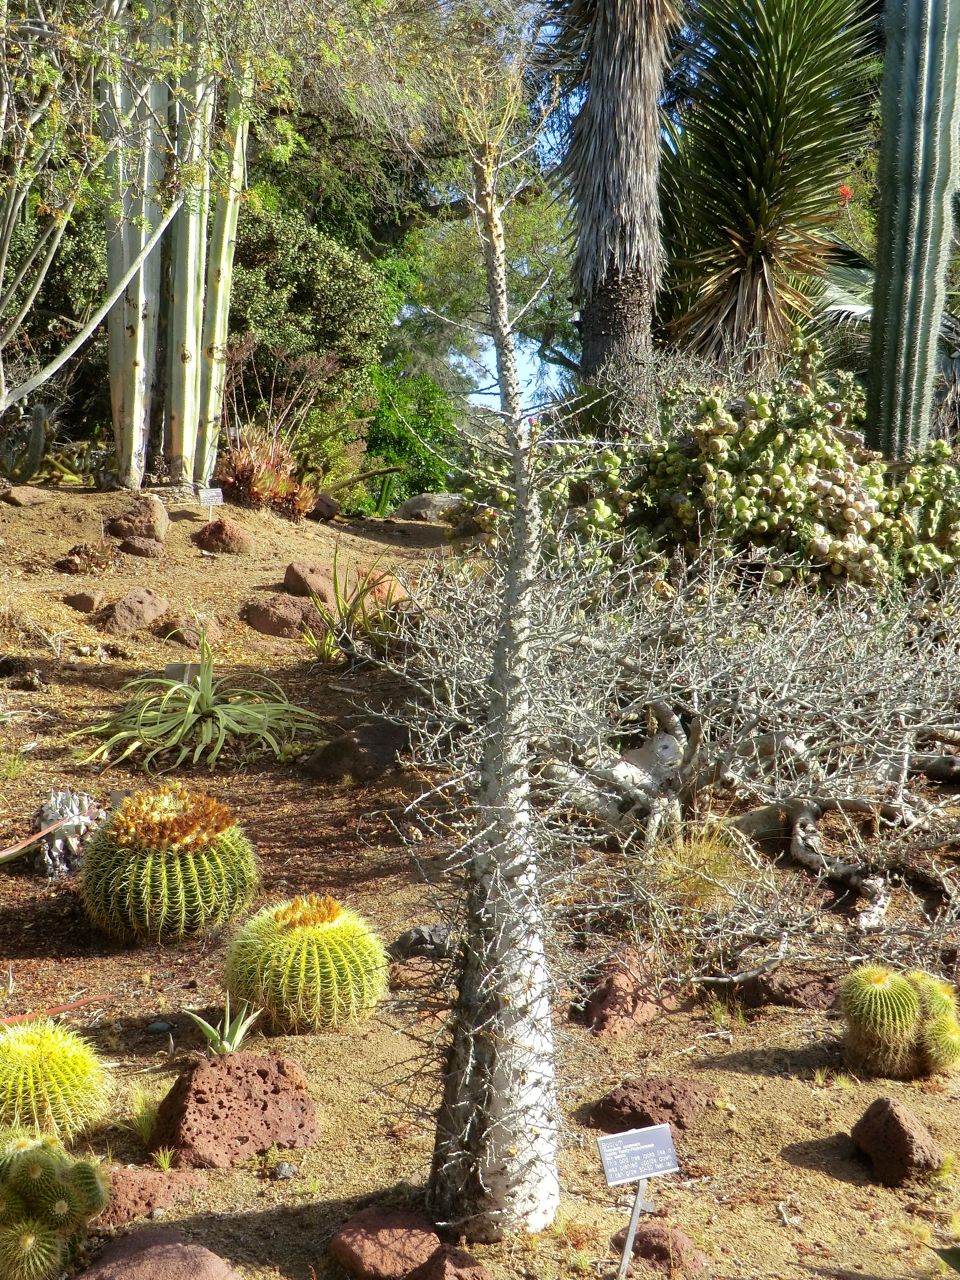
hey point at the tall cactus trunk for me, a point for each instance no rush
(223, 239)
(918, 176)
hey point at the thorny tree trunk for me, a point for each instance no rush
(615, 324)
(494, 1165)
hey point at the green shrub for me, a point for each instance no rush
(51, 1081)
(46, 1201)
(309, 964)
(167, 864)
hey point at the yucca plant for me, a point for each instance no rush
(309, 963)
(194, 718)
(167, 864)
(749, 180)
(360, 611)
(51, 1081)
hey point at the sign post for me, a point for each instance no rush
(210, 498)
(635, 1156)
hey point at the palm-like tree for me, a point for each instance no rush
(619, 50)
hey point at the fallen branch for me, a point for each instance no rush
(14, 850)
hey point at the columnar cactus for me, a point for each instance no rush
(51, 1081)
(46, 1201)
(917, 178)
(308, 964)
(900, 1025)
(167, 865)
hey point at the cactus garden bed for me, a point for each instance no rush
(769, 1186)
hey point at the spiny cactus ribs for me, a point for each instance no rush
(168, 864)
(309, 964)
(51, 1081)
(46, 1200)
(900, 1025)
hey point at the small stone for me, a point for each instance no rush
(898, 1143)
(384, 1244)
(325, 508)
(284, 1171)
(433, 941)
(303, 579)
(85, 601)
(659, 1247)
(449, 1263)
(187, 630)
(223, 536)
(12, 664)
(159, 1028)
(655, 1100)
(157, 1253)
(148, 548)
(138, 609)
(944, 769)
(282, 616)
(625, 997)
(429, 506)
(342, 759)
(145, 1193)
(22, 495)
(146, 517)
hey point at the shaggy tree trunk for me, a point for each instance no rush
(494, 1166)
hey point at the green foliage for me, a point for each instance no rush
(167, 864)
(228, 1035)
(51, 1081)
(309, 963)
(414, 427)
(750, 180)
(917, 179)
(360, 615)
(46, 1201)
(198, 717)
(22, 445)
(899, 1025)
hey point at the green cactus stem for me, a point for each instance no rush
(167, 865)
(882, 1012)
(917, 180)
(91, 1185)
(308, 964)
(940, 1045)
(29, 1250)
(50, 1079)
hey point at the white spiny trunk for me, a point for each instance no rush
(495, 1159)
(223, 239)
(185, 333)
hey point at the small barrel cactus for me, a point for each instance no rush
(308, 964)
(900, 1025)
(46, 1200)
(51, 1081)
(167, 864)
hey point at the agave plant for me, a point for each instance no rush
(751, 175)
(196, 717)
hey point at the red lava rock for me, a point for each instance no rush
(898, 1143)
(136, 1192)
(139, 608)
(303, 579)
(325, 508)
(450, 1264)
(85, 601)
(222, 1110)
(380, 587)
(655, 1100)
(146, 517)
(385, 1244)
(799, 991)
(625, 997)
(187, 630)
(148, 548)
(223, 536)
(157, 1253)
(284, 616)
(659, 1247)
(22, 495)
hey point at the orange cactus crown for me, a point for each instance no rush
(170, 817)
(311, 910)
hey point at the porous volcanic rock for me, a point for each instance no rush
(448, 1263)
(22, 495)
(660, 1248)
(186, 629)
(139, 608)
(368, 752)
(224, 537)
(624, 998)
(303, 579)
(85, 601)
(655, 1100)
(384, 1244)
(222, 1110)
(148, 548)
(325, 508)
(898, 1143)
(146, 517)
(816, 991)
(283, 616)
(136, 1192)
(157, 1253)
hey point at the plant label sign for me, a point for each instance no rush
(637, 1154)
(210, 498)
